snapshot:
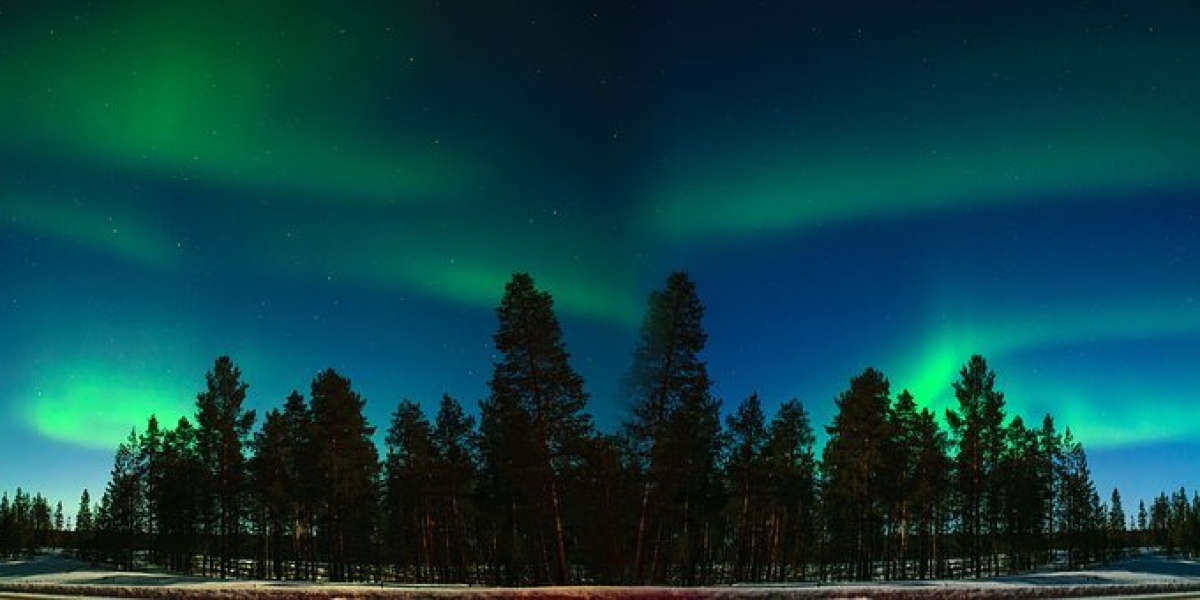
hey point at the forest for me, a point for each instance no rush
(530, 492)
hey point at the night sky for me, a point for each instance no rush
(850, 184)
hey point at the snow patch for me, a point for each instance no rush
(1142, 574)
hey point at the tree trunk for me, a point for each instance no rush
(639, 544)
(560, 544)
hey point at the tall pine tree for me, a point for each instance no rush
(792, 489)
(978, 430)
(222, 436)
(409, 469)
(675, 429)
(537, 403)
(856, 463)
(345, 469)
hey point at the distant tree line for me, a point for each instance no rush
(27, 523)
(533, 494)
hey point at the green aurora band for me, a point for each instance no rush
(1012, 127)
(220, 101)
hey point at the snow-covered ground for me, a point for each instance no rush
(1143, 574)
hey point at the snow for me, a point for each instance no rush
(1146, 573)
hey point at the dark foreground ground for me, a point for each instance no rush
(1147, 575)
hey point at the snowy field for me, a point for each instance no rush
(1142, 575)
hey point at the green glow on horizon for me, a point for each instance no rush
(1099, 415)
(95, 405)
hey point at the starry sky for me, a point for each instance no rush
(850, 184)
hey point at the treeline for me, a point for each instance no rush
(532, 493)
(1172, 523)
(27, 523)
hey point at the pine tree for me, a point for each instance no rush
(269, 469)
(222, 435)
(1143, 523)
(792, 489)
(1079, 505)
(346, 466)
(603, 495)
(932, 482)
(1049, 476)
(456, 446)
(149, 468)
(1020, 496)
(507, 489)
(83, 524)
(180, 498)
(7, 527)
(902, 482)
(978, 429)
(855, 462)
(747, 437)
(59, 524)
(1116, 524)
(124, 499)
(302, 482)
(42, 523)
(675, 427)
(409, 468)
(539, 399)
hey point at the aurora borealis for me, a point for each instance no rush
(885, 184)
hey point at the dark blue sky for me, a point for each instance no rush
(896, 185)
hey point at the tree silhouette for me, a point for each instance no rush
(537, 404)
(346, 466)
(790, 466)
(746, 470)
(674, 427)
(454, 482)
(408, 472)
(269, 474)
(855, 464)
(222, 434)
(977, 427)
